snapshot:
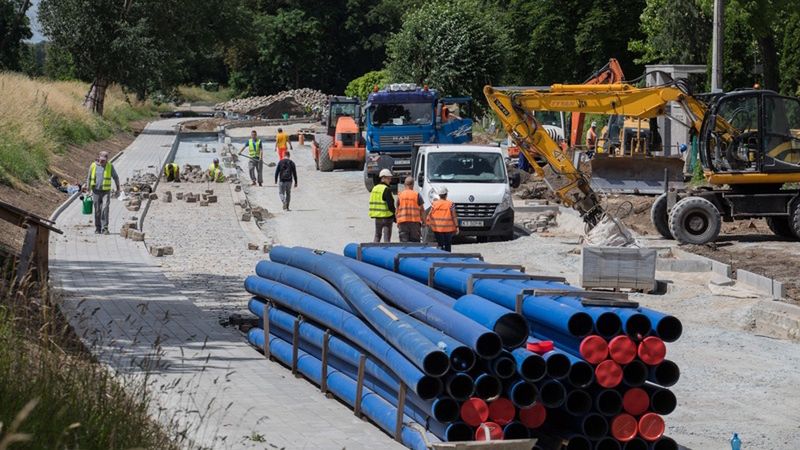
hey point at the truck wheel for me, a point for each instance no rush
(694, 220)
(795, 219)
(781, 227)
(325, 163)
(369, 182)
(659, 216)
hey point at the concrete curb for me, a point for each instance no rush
(169, 158)
(717, 267)
(777, 319)
(761, 284)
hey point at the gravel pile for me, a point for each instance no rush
(296, 102)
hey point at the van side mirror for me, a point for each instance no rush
(515, 180)
(420, 179)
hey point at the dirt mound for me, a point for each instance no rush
(296, 102)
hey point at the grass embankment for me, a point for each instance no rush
(54, 396)
(196, 94)
(39, 118)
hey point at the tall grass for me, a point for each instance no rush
(54, 396)
(194, 94)
(39, 117)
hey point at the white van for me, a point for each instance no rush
(477, 182)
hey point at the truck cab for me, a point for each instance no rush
(477, 182)
(403, 116)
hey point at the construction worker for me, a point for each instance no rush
(286, 172)
(256, 156)
(410, 213)
(101, 172)
(443, 220)
(282, 143)
(381, 207)
(591, 139)
(172, 172)
(215, 172)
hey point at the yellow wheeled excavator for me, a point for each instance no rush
(749, 151)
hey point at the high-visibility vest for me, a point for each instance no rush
(377, 207)
(215, 172)
(441, 217)
(591, 138)
(170, 168)
(106, 177)
(408, 207)
(255, 148)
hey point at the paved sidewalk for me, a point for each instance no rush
(203, 379)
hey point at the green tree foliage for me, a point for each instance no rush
(790, 55)
(675, 31)
(363, 85)
(450, 46)
(14, 28)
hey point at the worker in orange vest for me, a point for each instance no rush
(282, 144)
(443, 220)
(591, 139)
(410, 213)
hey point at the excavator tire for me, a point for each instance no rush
(659, 216)
(325, 162)
(794, 221)
(694, 220)
(782, 227)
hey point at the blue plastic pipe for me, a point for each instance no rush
(415, 299)
(665, 326)
(510, 326)
(461, 357)
(347, 325)
(530, 366)
(441, 408)
(372, 405)
(554, 314)
(402, 336)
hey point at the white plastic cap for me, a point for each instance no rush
(385, 173)
(442, 190)
(594, 124)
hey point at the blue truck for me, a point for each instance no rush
(402, 116)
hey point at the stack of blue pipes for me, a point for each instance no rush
(485, 352)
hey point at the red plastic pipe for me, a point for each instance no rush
(534, 416)
(489, 431)
(651, 426)
(608, 374)
(502, 411)
(624, 427)
(652, 350)
(635, 401)
(622, 349)
(474, 411)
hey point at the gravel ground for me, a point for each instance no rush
(732, 380)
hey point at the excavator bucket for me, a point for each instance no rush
(634, 174)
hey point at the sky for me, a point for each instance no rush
(37, 35)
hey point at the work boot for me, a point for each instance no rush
(97, 231)
(253, 183)
(260, 185)
(105, 231)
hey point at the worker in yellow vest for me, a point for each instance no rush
(410, 213)
(443, 220)
(256, 157)
(215, 172)
(282, 144)
(172, 172)
(381, 207)
(98, 182)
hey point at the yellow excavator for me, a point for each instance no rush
(749, 150)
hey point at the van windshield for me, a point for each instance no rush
(466, 168)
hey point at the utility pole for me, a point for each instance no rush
(716, 49)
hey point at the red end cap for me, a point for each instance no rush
(652, 350)
(608, 374)
(474, 412)
(594, 349)
(651, 426)
(502, 411)
(540, 347)
(636, 401)
(622, 349)
(534, 416)
(489, 431)
(624, 427)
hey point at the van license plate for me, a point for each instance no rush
(471, 223)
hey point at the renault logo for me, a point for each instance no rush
(471, 198)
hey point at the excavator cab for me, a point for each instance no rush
(765, 145)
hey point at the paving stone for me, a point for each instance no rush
(156, 251)
(204, 203)
(153, 196)
(179, 195)
(252, 246)
(246, 217)
(168, 250)
(137, 236)
(167, 198)
(212, 199)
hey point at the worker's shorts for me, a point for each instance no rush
(409, 231)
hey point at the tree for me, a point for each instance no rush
(790, 55)
(14, 28)
(450, 46)
(675, 31)
(363, 85)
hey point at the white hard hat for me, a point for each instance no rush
(442, 190)
(594, 124)
(385, 173)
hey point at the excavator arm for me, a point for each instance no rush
(514, 107)
(611, 73)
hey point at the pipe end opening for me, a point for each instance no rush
(634, 373)
(669, 328)
(533, 368)
(462, 359)
(436, 363)
(581, 374)
(638, 325)
(580, 324)
(513, 330)
(488, 345)
(578, 402)
(552, 394)
(557, 365)
(608, 324)
(429, 387)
